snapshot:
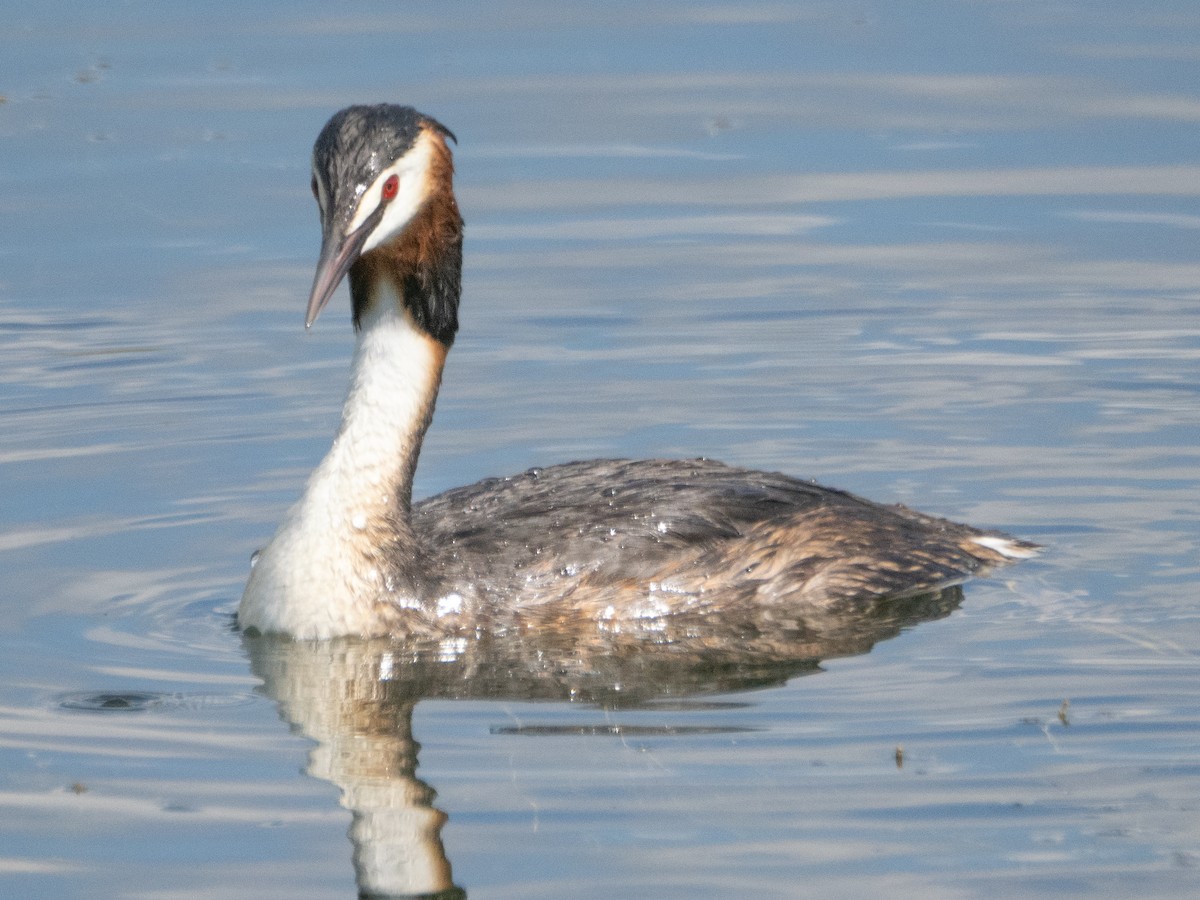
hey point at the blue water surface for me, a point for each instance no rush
(936, 253)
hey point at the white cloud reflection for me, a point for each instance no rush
(671, 227)
(827, 187)
(1120, 217)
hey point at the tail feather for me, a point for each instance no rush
(1007, 547)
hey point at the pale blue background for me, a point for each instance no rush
(938, 253)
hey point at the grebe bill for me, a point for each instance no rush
(599, 544)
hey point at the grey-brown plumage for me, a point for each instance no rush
(610, 544)
(630, 540)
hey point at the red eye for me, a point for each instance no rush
(391, 187)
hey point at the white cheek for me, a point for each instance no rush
(322, 194)
(367, 201)
(398, 214)
(413, 173)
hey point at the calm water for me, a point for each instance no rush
(937, 253)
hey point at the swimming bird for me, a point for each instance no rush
(604, 544)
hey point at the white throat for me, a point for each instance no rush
(321, 574)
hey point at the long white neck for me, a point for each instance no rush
(323, 573)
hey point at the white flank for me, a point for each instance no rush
(320, 576)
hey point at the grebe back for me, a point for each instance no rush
(612, 543)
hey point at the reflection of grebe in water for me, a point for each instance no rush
(607, 542)
(355, 699)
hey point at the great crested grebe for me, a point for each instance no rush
(605, 541)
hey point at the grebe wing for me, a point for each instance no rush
(641, 505)
(697, 534)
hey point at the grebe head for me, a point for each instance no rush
(374, 169)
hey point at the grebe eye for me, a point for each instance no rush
(391, 187)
